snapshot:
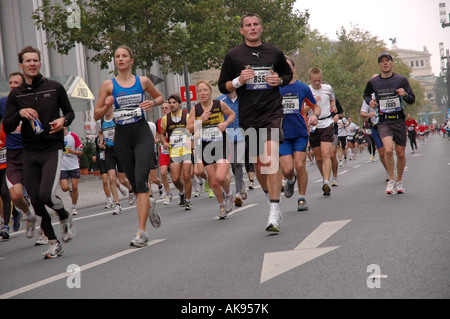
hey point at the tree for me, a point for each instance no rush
(348, 64)
(171, 32)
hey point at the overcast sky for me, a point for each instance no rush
(415, 23)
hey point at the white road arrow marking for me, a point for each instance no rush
(277, 263)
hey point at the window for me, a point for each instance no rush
(421, 62)
(412, 64)
(417, 63)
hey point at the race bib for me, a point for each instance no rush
(178, 139)
(108, 135)
(3, 156)
(102, 155)
(390, 104)
(368, 131)
(410, 128)
(291, 104)
(211, 134)
(258, 82)
(128, 115)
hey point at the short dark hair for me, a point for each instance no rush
(16, 73)
(28, 49)
(175, 97)
(250, 14)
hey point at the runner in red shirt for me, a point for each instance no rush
(411, 124)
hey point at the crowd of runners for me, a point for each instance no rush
(266, 125)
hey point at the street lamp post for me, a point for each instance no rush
(444, 23)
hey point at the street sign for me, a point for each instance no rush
(192, 91)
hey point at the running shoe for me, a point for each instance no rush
(182, 200)
(206, 186)
(123, 190)
(141, 239)
(399, 187)
(222, 212)
(210, 193)
(4, 233)
(229, 204)
(16, 221)
(238, 200)
(30, 228)
(167, 200)
(273, 224)
(42, 239)
(326, 188)
(244, 194)
(301, 204)
(188, 205)
(74, 211)
(153, 216)
(117, 210)
(55, 250)
(109, 203)
(67, 229)
(251, 185)
(289, 188)
(335, 182)
(390, 187)
(131, 198)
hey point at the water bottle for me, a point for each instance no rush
(37, 126)
(312, 128)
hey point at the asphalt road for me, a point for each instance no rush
(357, 244)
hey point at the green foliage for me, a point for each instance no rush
(88, 152)
(348, 64)
(172, 32)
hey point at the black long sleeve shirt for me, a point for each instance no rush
(48, 98)
(258, 105)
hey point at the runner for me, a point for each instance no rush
(133, 140)
(296, 95)
(38, 103)
(237, 140)
(14, 163)
(206, 121)
(411, 125)
(352, 128)
(321, 138)
(113, 167)
(256, 69)
(179, 145)
(70, 167)
(391, 92)
(164, 157)
(342, 138)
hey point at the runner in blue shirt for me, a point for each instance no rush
(296, 95)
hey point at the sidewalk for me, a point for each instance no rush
(91, 193)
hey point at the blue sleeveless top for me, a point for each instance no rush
(126, 102)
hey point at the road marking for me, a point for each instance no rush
(277, 263)
(343, 172)
(82, 268)
(356, 166)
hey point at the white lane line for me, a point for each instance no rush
(67, 274)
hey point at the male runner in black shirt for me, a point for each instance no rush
(256, 69)
(391, 91)
(41, 99)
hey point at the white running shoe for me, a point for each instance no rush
(153, 216)
(390, 187)
(399, 187)
(123, 190)
(117, 210)
(229, 203)
(67, 231)
(109, 203)
(140, 240)
(54, 251)
(222, 212)
(131, 198)
(275, 217)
